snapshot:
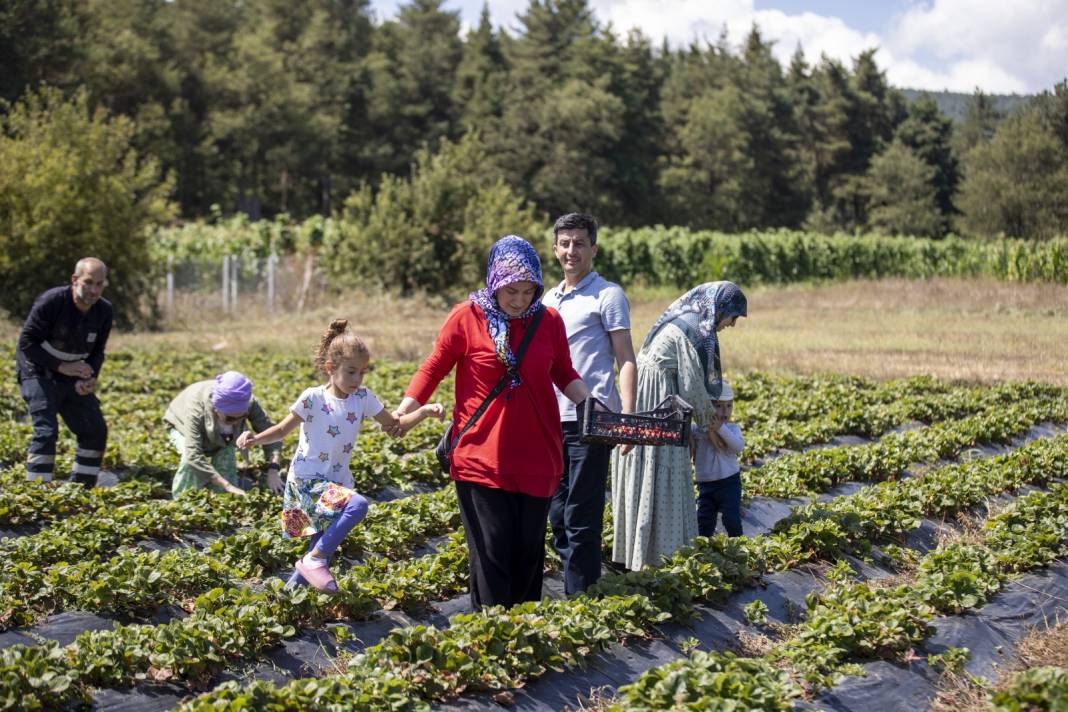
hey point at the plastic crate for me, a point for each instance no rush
(667, 424)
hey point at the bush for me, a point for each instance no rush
(682, 258)
(431, 232)
(71, 186)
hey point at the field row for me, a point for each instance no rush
(506, 649)
(40, 582)
(237, 623)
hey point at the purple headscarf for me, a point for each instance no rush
(231, 393)
(511, 259)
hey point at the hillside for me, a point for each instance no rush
(954, 104)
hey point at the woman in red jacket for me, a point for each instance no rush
(507, 465)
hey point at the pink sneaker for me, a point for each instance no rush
(319, 577)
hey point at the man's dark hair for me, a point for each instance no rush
(577, 221)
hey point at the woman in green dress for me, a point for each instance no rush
(203, 423)
(653, 507)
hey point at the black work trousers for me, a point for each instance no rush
(577, 510)
(505, 544)
(46, 399)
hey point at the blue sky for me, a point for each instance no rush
(925, 44)
(868, 16)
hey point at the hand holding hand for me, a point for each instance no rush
(85, 386)
(274, 483)
(245, 440)
(77, 369)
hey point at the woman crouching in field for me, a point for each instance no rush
(203, 423)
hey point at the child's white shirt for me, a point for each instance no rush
(328, 431)
(709, 463)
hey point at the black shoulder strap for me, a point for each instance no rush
(505, 378)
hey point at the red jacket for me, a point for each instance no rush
(516, 444)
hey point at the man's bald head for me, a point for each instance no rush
(90, 264)
(88, 282)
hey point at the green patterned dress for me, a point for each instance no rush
(653, 507)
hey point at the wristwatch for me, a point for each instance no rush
(273, 466)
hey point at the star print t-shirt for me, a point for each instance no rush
(328, 432)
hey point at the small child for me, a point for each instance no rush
(719, 480)
(319, 501)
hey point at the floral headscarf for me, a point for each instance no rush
(697, 312)
(512, 259)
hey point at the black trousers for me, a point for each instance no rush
(720, 498)
(577, 510)
(505, 544)
(45, 399)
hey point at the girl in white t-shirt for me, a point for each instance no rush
(319, 500)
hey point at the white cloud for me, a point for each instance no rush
(962, 76)
(942, 44)
(1020, 46)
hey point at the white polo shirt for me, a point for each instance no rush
(592, 310)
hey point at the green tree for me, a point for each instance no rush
(431, 231)
(705, 183)
(777, 195)
(902, 196)
(562, 123)
(852, 119)
(929, 135)
(278, 101)
(635, 79)
(39, 43)
(481, 76)
(410, 79)
(734, 160)
(980, 121)
(1053, 105)
(1017, 183)
(821, 101)
(72, 185)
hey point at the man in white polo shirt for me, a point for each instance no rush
(597, 318)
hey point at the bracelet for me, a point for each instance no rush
(273, 466)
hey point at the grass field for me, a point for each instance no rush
(974, 330)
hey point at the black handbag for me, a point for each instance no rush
(447, 444)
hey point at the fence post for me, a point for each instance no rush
(233, 283)
(170, 286)
(226, 283)
(270, 281)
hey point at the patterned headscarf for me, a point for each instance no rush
(511, 259)
(697, 312)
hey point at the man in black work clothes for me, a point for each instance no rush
(60, 352)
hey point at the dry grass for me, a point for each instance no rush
(1045, 646)
(963, 330)
(967, 330)
(757, 645)
(959, 694)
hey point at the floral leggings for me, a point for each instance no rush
(322, 510)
